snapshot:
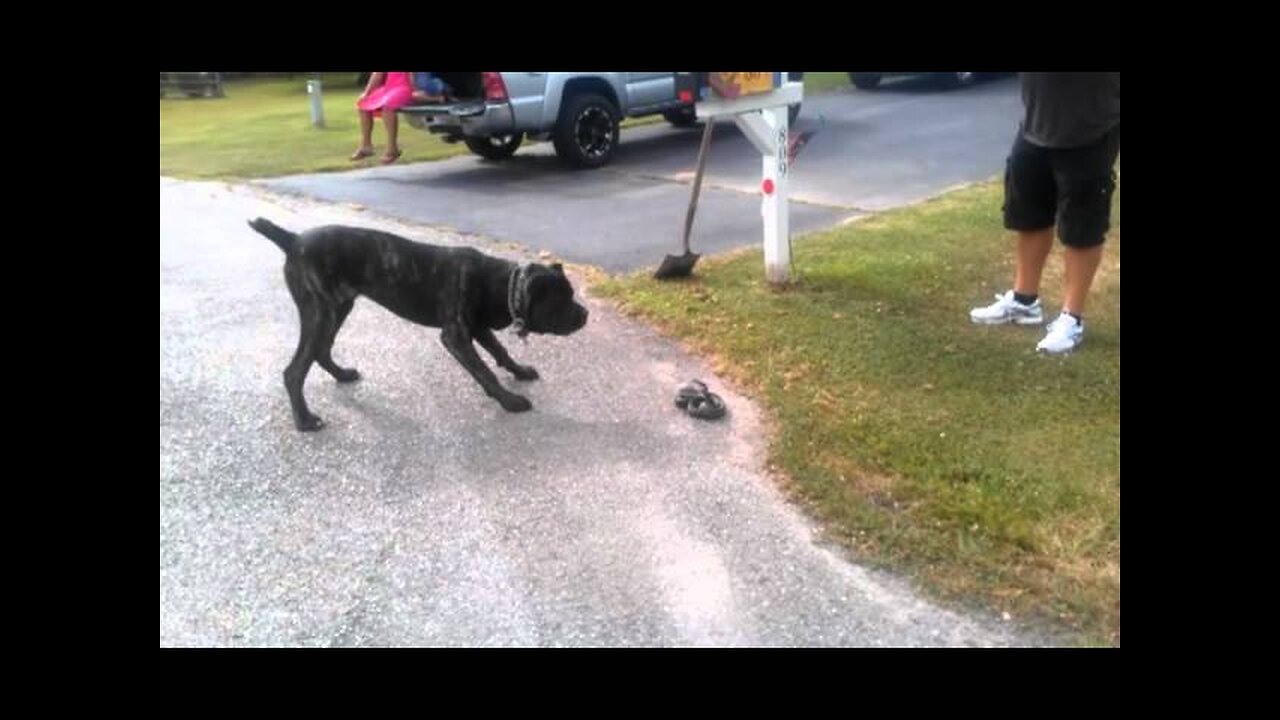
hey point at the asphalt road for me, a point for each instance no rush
(873, 150)
(425, 515)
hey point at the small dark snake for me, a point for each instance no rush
(694, 398)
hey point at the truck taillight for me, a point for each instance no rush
(494, 88)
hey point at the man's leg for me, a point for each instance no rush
(1081, 266)
(1033, 251)
(1030, 202)
(1086, 181)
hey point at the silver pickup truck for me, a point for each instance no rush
(492, 112)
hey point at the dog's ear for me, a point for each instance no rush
(543, 283)
(558, 268)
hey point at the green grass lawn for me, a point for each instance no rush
(947, 451)
(820, 82)
(262, 128)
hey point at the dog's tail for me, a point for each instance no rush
(275, 234)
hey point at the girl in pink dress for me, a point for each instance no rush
(385, 93)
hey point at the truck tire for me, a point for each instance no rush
(586, 135)
(682, 117)
(497, 147)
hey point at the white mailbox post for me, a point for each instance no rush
(763, 119)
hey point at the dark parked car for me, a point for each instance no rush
(868, 80)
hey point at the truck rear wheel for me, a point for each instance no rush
(681, 117)
(497, 147)
(586, 135)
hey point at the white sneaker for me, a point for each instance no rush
(1007, 310)
(1066, 333)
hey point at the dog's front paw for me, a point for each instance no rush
(310, 423)
(515, 403)
(346, 376)
(524, 372)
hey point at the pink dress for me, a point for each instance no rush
(396, 91)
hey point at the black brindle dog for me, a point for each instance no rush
(462, 291)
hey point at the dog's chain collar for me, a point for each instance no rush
(513, 301)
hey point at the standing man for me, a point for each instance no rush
(1060, 172)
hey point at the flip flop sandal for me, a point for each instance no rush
(390, 157)
(361, 154)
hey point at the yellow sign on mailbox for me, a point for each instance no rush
(736, 84)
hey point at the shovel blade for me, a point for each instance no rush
(676, 266)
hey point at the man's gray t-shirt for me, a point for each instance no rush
(1066, 109)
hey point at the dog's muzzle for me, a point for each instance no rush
(576, 322)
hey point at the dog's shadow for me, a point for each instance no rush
(471, 437)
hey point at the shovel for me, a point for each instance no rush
(674, 266)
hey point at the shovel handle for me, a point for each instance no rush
(697, 181)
